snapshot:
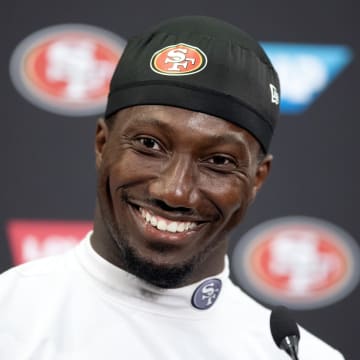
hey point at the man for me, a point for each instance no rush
(180, 155)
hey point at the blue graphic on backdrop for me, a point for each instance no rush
(305, 71)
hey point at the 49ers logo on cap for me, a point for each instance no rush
(178, 60)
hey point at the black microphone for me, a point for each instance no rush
(285, 331)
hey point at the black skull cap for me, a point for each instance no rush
(201, 64)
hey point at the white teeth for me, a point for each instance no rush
(161, 225)
(181, 227)
(172, 227)
(166, 225)
(153, 220)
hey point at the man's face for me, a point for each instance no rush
(172, 184)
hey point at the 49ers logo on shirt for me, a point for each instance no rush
(178, 60)
(297, 261)
(66, 69)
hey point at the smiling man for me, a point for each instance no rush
(172, 184)
(180, 154)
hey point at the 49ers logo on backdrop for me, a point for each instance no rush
(297, 261)
(66, 69)
(177, 60)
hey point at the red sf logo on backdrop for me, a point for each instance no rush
(30, 240)
(297, 261)
(66, 69)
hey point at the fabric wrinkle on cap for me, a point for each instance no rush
(200, 64)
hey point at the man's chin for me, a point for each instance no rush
(164, 276)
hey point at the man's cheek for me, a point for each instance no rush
(237, 208)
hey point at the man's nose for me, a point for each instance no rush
(176, 184)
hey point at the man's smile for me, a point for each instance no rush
(164, 228)
(164, 224)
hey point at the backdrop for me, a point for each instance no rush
(48, 125)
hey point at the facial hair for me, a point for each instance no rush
(159, 275)
(164, 276)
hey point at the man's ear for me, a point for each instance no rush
(262, 172)
(101, 138)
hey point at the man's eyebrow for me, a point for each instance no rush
(150, 122)
(238, 139)
(213, 139)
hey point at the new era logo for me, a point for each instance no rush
(275, 98)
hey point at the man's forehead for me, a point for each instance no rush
(171, 118)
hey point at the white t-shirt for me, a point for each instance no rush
(78, 306)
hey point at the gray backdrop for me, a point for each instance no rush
(47, 162)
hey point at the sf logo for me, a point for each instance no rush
(209, 293)
(178, 58)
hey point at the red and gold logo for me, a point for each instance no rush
(66, 69)
(301, 262)
(178, 60)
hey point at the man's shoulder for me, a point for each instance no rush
(35, 268)
(311, 345)
(33, 276)
(244, 309)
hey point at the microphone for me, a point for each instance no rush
(285, 331)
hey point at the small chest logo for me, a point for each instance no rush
(206, 294)
(178, 60)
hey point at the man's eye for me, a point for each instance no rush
(149, 143)
(221, 160)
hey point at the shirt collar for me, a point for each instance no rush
(124, 287)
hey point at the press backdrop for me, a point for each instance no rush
(47, 162)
